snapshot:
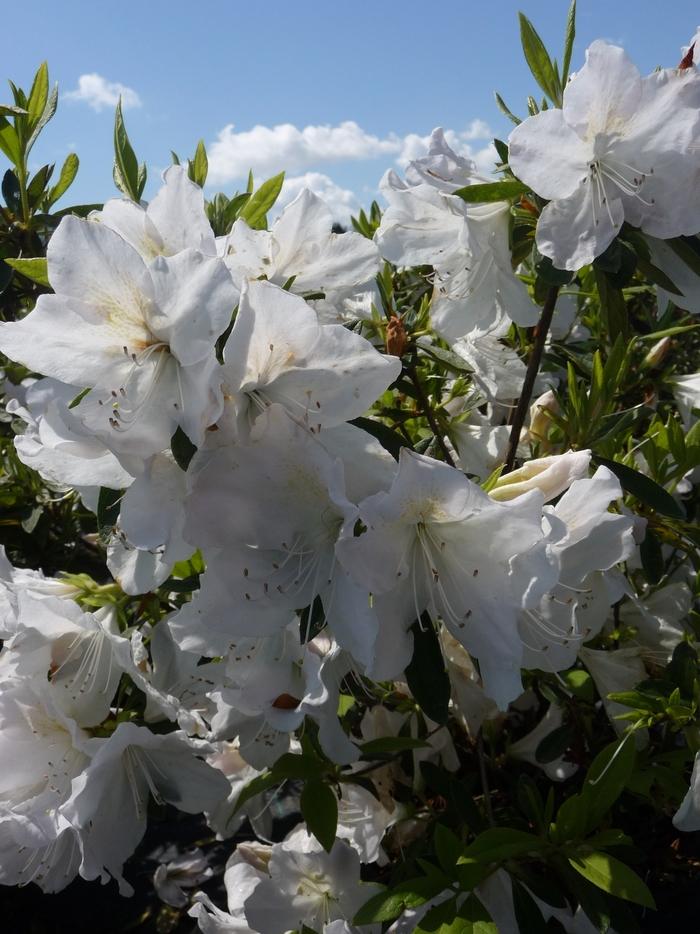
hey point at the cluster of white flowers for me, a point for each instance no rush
(298, 513)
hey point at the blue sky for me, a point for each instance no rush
(354, 85)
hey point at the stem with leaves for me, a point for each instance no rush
(429, 414)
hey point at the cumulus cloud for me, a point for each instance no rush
(97, 92)
(268, 150)
(341, 201)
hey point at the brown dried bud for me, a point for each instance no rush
(687, 60)
(286, 702)
(396, 337)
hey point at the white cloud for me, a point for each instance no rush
(97, 92)
(341, 201)
(268, 150)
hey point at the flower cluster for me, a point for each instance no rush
(254, 419)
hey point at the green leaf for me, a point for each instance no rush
(388, 745)
(651, 553)
(439, 919)
(580, 683)
(568, 43)
(527, 913)
(9, 110)
(199, 166)
(390, 440)
(682, 247)
(38, 94)
(613, 877)
(505, 109)
(426, 674)
(555, 744)
(9, 142)
(34, 269)
(293, 765)
(387, 905)
(182, 448)
(644, 488)
(606, 778)
(538, 60)
(126, 167)
(448, 848)
(319, 808)
(254, 787)
(254, 212)
(108, 505)
(68, 172)
(494, 845)
(492, 191)
(47, 114)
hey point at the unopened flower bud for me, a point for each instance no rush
(396, 337)
(658, 353)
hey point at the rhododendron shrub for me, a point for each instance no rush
(389, 532)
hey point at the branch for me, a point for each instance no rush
(533, 368)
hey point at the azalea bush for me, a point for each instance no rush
(376, 549)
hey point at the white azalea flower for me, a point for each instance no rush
(307, 886)
(274, 554)
(687, 395)
(141, 337)
(174, 220)
(687, 817)
(622, 148)
(467, 244)
(58, 446)
(109, 799)
(588, 542)
(279, 352)
(302, 247)
(55, 639)
(470, 560)
(43, 750)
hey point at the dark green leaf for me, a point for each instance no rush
(426, 674)
(108, 504)
(606, 779)
(568, 43)
(389, 439)
(292, 765)
(254, 787)
(126, 167)
(555, 744)
(319, 808)
(389, 745)
(448, 848)
(651, 553)
(538, 60)
(182, 448)
(68, 172)
(644, 488)
(527, 914)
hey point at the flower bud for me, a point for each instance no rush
(552, 475)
